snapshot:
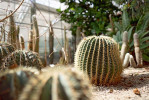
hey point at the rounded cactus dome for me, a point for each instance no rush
(98, 56)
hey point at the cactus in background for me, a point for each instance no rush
(124, 46)
(66, 46)
(132, 61)
(112, 23)
(98, 56)
(51, 43)
(12, 82)
(61, 58)
(22, 43)
(17, 37)
(5, 50)
(25, 58)
(36, 34)
(30, 43)
(78, 36)
(12, 33)
(138, 53)
(3, 35)
(57, 84)
(126, 60)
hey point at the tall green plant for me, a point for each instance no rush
(90, 15)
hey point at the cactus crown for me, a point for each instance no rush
(98, 56)
(13, 81)
(57, 84)
(21, 57)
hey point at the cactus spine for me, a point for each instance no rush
(25, 58)
(36, 34)
(98, 56)
(12, 82)
(5, 50)
(138, 53)
(57, 84)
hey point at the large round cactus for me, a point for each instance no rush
(98, 56)
(21, 57)
(5, 49)
(13, 81)
(57, 84)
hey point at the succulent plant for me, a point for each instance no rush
(99, 57)
(13, 81)
(35, 34)
(22, 43)
(124, 45)
(138, 53)
(5, 49)
(57, 84)
(12, 35)
(22, 57)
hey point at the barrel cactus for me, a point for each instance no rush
(57, 84)
(13, 81)
(99, 58)
(22, 57)
(5, 49)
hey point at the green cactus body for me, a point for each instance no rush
(21, 57)
(98, 56)
(5, 50)
(13, 81)
(57, 84)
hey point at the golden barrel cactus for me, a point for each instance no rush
(22, 57)
(12, 82)
(57, 84)
(99, 58)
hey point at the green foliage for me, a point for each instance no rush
(98, 56)
(141, 28)
(57, 84)
(13, 81)
(90, 15)
(21, 57)
(135, 8)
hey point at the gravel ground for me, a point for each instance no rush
(133, 79)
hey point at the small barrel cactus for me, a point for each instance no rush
(57, 84)
(5, 50)
(21, 57)
(13, 81)
(99, 58)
